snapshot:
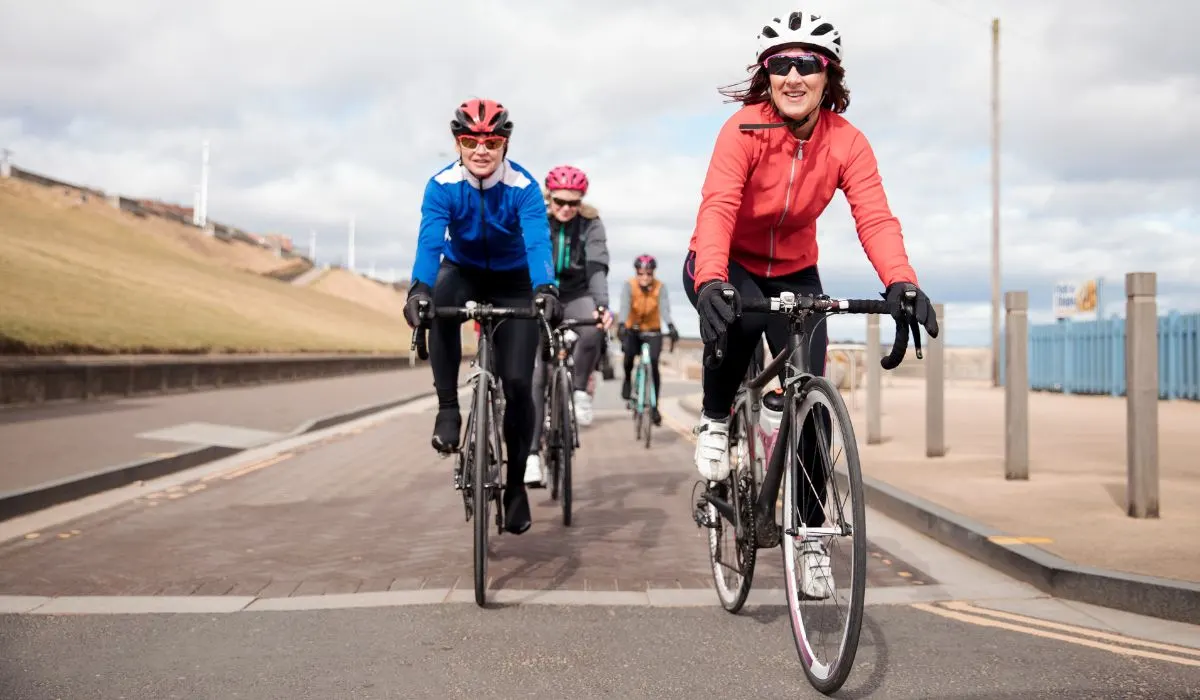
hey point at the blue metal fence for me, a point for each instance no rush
(1088, 357)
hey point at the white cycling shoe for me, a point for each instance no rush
(816, 575)
(533, 471)
(712, 448)
(583, 408)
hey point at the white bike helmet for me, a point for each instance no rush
(800, 27)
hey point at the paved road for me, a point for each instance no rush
(379, 512)
(459, 651)
(367, 509)
(51, 442)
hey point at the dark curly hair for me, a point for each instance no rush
(837, 95)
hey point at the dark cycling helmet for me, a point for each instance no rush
(645, 261)
(481, 117)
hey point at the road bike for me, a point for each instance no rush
(814, 500)
(479, 470)
(643, 399)
(560, 433)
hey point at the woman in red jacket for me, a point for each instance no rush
(776, 165)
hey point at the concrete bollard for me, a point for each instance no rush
(874, 382)
(1016, 385)
(1141, 394)
(935, 389)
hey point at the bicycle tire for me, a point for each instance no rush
(733, 597)
(550, 436)
(826, 677)
(647, 407)
(482, 408)
(566, 441)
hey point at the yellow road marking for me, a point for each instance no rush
(33, 535)
(1009, 539)
(256, 466)
(246, 469)
(1120, 638)
(1046, 634)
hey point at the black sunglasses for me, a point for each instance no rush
(805, 64)
(565, 202)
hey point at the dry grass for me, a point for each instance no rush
(83, 277)
(360, 290)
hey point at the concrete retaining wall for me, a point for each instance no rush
(35, 380)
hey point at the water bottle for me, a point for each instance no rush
(769, 419)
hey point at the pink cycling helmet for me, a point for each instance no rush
(566, 177)
(645, 261)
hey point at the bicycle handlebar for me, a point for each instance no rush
(471, 311)
(789, 303)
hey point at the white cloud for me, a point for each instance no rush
(329, 111)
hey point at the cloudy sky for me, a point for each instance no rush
(322, 111)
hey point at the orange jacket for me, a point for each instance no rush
(764, 191)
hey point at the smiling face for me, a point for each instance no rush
(798, 81)
(564, 204)
(481, 154)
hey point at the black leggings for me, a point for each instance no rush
(744, 340)
(633, 347)
(514, 345)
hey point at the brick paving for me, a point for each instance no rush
(377, 511)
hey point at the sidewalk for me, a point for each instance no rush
(1075, 495)
(49, 442)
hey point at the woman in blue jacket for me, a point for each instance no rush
(484, 238)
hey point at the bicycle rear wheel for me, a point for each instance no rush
(565, 447)
(481, 493)
(732, 558)
(823, 514)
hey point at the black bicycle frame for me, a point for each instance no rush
(798, 309)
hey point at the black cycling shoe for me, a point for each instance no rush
(446, 429)
(626, 389)
(655, 416)
(517, 516)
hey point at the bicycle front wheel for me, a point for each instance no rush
(482, 487)
(732, 558)
(825, 536)
(566, 446)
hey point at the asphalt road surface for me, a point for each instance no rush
(338, 565)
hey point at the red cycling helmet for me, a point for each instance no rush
(647, 261)
(481, 117)
(566, 177)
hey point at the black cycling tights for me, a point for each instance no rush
(633, 347)
(744, 337)
(514, 345)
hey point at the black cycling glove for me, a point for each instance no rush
(546, 297)
(921, 311)
(416, 294)
(715, 309)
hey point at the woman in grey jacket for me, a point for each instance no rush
(580, 255)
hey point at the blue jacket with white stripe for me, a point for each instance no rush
(497, 224)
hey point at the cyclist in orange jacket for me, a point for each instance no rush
(645, 307)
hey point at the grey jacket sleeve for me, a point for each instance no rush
(664, 306)
(596, 253)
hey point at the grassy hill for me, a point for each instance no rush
(83, 277)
